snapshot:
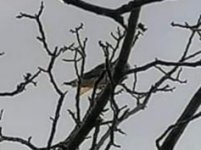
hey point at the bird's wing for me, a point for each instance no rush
(95, 72)
(89, 77)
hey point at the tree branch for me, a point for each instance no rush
(181, 124)
(28, 78)
(79, 133)
(111, 13)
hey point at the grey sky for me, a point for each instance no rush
(28, 113)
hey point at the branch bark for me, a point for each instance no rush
(79, 133)
(181, 124)
(115, 14)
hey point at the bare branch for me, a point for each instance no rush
(55, 120)
(36, 17)
(28, 78)
(111, 13)
(79, 133)
(155, 88)
(72, 114)
(175, 131)
(163, 63)
(97, 10)
(53, 55)
(95, 135)
(113, 72)
(17, 140)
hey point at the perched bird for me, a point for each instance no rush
(89, 78)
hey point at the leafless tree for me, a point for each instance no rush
(94, 126)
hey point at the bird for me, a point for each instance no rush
(90, 78)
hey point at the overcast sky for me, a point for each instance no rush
(28, 113)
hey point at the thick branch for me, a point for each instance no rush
(79, 133)
(176, 132)
(96, 9)
(133, 4)
(163, 63)
(108, 12)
